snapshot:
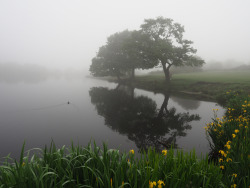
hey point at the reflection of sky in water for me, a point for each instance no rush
(39, 112)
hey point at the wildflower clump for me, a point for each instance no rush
(230, 141)
(160, 183)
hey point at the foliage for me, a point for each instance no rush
(169, 47)
(121, 54)
(230, 140)
(92, 167)
(158, 42)
(110, 59)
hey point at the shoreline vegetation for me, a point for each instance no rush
(205, 85)
(228, 164)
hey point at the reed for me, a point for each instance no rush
(91, 166)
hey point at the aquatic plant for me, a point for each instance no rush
(92, 167)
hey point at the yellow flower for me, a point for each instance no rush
(160, 183)
(220, 160)
(228, 146)
(229, 159)
(234, 175)
(233, 135)
(221, 152)
(23, 164)
(164, 152)
(152, 184)
(222, 167)
(233, 186)
(245, 111)
(236, 130)
(132, 151)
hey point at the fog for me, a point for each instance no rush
(62, 34)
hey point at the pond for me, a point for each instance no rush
(80, 110)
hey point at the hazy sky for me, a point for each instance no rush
(60, 33)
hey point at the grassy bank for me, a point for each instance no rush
(93, 167)
(230, 140)
(202, 85)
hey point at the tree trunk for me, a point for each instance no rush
(164, 106)
(166, 73)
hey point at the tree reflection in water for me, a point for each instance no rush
(139, 119)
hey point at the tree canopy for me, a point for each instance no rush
(168, 45)
(158, 42)
(122, 54)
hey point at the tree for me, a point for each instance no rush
(167, 45)
(120, 55)
(110, 59)
(158, 42)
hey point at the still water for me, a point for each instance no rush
(79, 110)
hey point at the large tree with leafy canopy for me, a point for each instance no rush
(159, 42)
(167, 45)
(121, 55)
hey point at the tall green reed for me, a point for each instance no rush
(91, 166)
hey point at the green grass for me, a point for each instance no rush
(201, 85)
(92, 167)
(242, 77)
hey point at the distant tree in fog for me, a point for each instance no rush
(159, 42)
(167, 45)
(119, 56)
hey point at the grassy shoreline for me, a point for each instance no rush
(199, 85)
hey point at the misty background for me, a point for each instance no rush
(61, 37)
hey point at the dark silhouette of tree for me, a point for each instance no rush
(138, 117)
(168, 46)
(120, 56)
(159, 42)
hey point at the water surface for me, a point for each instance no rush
(79, 110)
